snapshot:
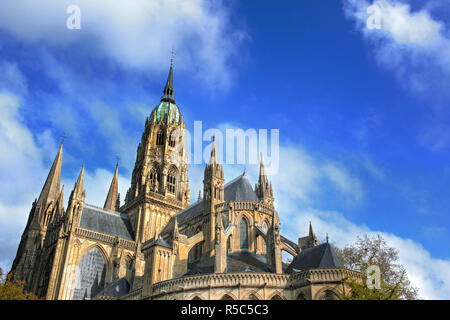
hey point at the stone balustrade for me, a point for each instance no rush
(104, 237)
(243, 205)
(221, 280)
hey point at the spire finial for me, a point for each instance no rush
(327, 237)
(172, 54)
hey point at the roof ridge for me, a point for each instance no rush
(108, 211)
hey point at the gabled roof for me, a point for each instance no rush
(106, 221)
(322, 256)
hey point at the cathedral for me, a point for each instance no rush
(159, 244)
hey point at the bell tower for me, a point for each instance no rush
(159, 182)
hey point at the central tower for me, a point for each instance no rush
(159, 183)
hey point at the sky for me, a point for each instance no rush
(362, 113)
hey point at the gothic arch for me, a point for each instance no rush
(89, 248)
(244, 237)
(92, 272)
(252, 295)
(160, 136)
(172, 138)
(327, 293)
(276, 296)
(171, 179)
(225, 295)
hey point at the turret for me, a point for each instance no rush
(76, 203)
(213, 181)
(213, 193)
(309, 241)
(263, 188)
(112, 200)
(39, 218)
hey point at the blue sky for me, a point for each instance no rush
(363, 114)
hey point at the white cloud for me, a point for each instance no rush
(135, 33)
(413, 44)
(343, 181)
(20, 167)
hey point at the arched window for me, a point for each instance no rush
(171, 181)
(227, 297)
(243, 234)
(265, 227)
(160, 138)
(229, 244)
(90, 278)
(154, 178)
(172, 140)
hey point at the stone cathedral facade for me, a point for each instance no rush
(160, 245)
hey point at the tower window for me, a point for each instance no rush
(171, 181)
(243, 234)
(160, 138)
(172, 140)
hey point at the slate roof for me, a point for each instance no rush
(322, 256)
(238, 261)
(116, 288)
(238, 189)
(106, 221)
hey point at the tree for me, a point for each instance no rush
(13, 290)
(374, 251)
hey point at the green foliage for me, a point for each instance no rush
(373, 250)
(13, 290)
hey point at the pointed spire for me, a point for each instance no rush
(199, 195)
(113, 193)
(213, 159)
(168, 89)
(51, 188)
(78, 190)
(311, 231)
(263, 188)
